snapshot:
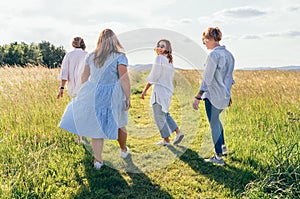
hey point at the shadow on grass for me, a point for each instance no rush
(110, 183)
(231, 177)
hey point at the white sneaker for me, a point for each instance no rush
(98, 165)
(216, 160)
(80, 141)
(163, 143)
(178, 138)
(124, 154)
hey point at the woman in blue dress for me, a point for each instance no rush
(100, 111)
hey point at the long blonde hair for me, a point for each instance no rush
(107, 43)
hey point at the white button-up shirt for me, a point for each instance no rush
(71, 70)
(161, 77)
(217, 78)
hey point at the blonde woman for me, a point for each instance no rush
(100, 111)
(161, 77)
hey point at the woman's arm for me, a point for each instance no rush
(125, 82)
(210, 69)
(148, 85)
(85, 75)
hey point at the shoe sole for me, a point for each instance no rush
(162, 144)
(179, 139)
(217, 163)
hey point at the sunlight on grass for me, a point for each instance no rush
(262, 134)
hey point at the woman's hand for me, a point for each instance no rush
(148, 85)
(196, 104)
(230, 102)
(127, 104)
(60, 93)
(143, 94)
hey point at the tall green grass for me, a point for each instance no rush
(262, 134)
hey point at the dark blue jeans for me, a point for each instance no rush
(215, 125)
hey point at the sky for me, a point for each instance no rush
(259, 33)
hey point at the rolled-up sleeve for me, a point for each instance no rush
(212, 63)
(64, 72)
(155, 71)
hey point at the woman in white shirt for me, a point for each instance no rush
(71, 69)
(161, 77)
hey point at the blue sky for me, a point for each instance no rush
(258, 33)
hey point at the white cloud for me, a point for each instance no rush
(232, 15)
(285, 34)
(242, 12)
(185, 21)
(250, 37)
(293, 9)
(182, 21)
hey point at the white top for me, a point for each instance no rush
(71, 70)
(217, 78)
(161, 77)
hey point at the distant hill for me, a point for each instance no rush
(295, 68)
(139, 67)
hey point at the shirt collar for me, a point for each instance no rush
(219, 47)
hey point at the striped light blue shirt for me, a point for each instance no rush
(217, 78)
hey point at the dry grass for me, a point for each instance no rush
(39, 160)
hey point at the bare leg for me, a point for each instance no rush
(122, 137)
(167, 139)
(97, 144)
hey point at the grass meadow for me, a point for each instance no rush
(262, 134)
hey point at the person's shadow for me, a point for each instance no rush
(231, 177)
(110, 183)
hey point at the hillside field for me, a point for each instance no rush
(262, 134)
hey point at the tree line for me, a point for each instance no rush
(21, 54)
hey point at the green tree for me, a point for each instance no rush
(1, 55)
(52, 56)
(22, 54)
(33, 55)
(14, 54)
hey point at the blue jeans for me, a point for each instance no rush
(164, 121)
(215, 125)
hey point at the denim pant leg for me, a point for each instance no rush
(171, 123)
(215, 125)
(164, 121)
(222, 131)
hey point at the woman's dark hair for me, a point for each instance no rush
(78, 43)
(168, 49)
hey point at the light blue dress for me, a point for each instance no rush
(99, 108)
